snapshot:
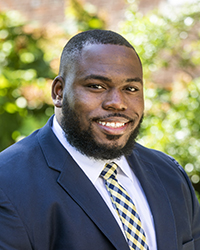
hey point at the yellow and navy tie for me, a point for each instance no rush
(125, 208)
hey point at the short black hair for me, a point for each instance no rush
(75, 45)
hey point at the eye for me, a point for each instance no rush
(95, 86)
(132, 89)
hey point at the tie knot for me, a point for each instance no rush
(109, 171)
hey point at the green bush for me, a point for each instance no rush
(23, 79)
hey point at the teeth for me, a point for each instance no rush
(112, 124)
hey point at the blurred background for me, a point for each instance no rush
(165, 33)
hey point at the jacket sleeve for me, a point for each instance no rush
(196, 219)
(13, 235)
(195, 224)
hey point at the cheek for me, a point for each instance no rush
(138, 105)
(83, 109)
(141, 104)
(85, 103)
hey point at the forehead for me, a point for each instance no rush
(107, 57)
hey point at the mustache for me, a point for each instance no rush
(113, 115)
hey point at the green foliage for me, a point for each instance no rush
(22, 69)
(169, 46)
(84, 16)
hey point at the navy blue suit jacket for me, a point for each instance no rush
(48, 203)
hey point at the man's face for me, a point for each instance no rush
(103, 96)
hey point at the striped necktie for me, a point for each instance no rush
(125, 208)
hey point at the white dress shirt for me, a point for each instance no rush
(92, 168)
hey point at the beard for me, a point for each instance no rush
(84, 142)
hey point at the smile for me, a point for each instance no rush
(112, 124)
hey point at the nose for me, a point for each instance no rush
(114, 100)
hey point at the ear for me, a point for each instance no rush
(57, 91)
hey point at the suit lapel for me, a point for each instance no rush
(158, 201)
(78, 186)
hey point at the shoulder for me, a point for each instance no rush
(166, 167)
(23, 164)
(25, 149)
(154, 156)
(18, 150)
(19, 158)
(16, 162)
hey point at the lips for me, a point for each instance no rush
(113, 125)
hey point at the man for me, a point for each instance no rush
(55, 192)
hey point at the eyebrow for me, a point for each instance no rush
(106, 79)
(98, 77)
(136, 79)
